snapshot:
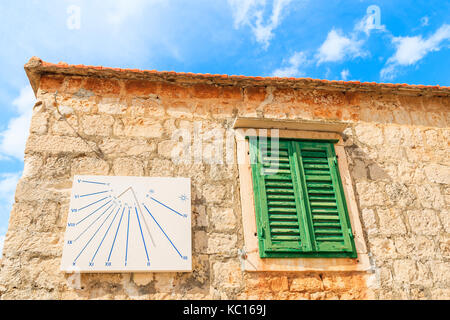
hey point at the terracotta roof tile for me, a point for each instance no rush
(36, 66)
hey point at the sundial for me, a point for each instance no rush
(128, 224)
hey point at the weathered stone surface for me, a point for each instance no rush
(429, 196)
(150, 107)
(444, 245)
(102, 86)
(396, 146)
(440, 294)
(32, 165)
(143, 279)
(36, 190)
(369, 134)
(46, 217)
(142, 127)
(128, 167)
(67, 127)
(99, 125)
(111, 106)
(440, 273)
(418, 247)
(174, 150)
(399, 195)
(306, 284)
(376, 172)
(160, 168)
(383, 248)
(445, 219)
(391, 221)
(221, 172)
(227, 274)
(89, 166)
(200, 241)
(385, 277)
(424, 222)
(215, 193)
(359, 170)
(39, 123)
(224, 244)
(438, 173)
(127, 147)
(370, 194)
(164, 282)
(200, 216)
(405, 271)
(369, 221)
(57, 144)
(222, 219)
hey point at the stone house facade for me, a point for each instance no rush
(393, 147)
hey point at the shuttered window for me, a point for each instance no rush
(299, 200)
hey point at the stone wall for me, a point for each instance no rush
(397, 147)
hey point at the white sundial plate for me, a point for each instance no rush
(128, 224)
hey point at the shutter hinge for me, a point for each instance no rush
(262, 233)
(350, 233)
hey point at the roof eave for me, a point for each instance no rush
(36, 67)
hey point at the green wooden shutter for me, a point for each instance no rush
(277, 199)
(324, 198)
(300, 207)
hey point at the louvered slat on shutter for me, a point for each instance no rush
(324, 198)
(277, 199)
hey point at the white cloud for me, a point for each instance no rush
(242, 10)
(2, 241)
(250, 13)
(124, 9)
(338, 47)
(410, 50)
(297, 60)
(327, 73)
(344, 74)
(13, 139)
(8, 182)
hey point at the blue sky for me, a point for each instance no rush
(376, 41)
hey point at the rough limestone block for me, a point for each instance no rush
(98, 125)
(222, 219)
(424, 222)
(438, 173)
(128, 167)
(227, 275)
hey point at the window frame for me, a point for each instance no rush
(305, 218)
(252, 261)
